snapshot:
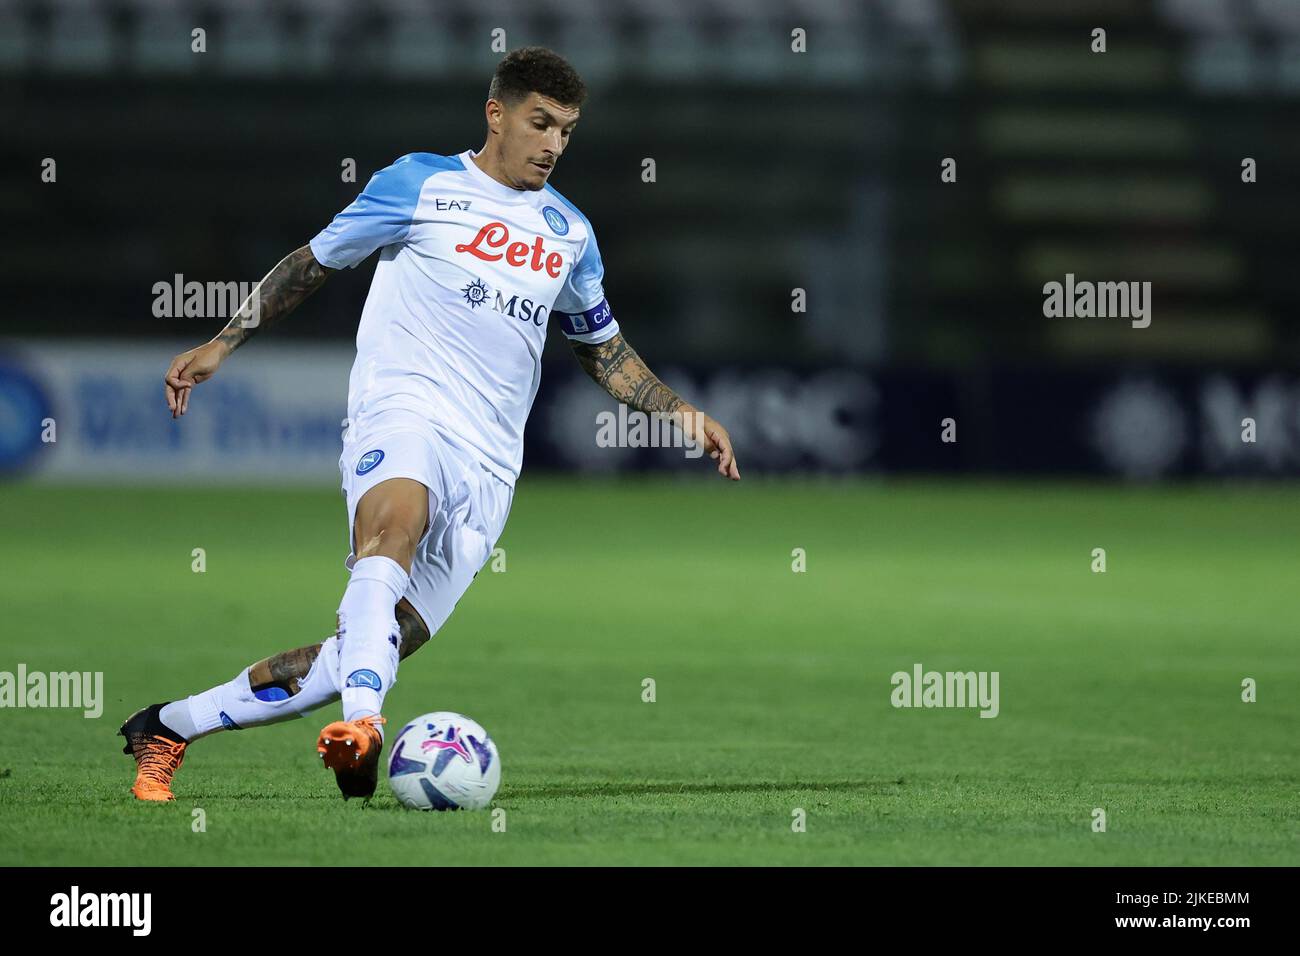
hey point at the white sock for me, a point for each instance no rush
(176, 716)
(370, 635)
(234, 705)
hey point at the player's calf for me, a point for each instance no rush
(390, 520)
(277, 688)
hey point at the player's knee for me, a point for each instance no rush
(390, 520)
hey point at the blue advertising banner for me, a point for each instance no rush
(94, 411)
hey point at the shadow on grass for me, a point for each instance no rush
(384, 801)
(669, 788)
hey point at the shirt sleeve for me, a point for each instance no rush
(581, 306)
(380, 216)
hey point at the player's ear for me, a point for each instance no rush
(495, 114)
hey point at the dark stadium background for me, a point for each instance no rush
(775, 171)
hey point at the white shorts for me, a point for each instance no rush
(468, 505)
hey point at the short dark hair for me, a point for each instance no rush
(535, 69)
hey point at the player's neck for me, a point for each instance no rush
(490, 163)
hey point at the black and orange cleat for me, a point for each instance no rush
(158, 751)
(351, 749)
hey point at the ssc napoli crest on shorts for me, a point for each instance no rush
(369, 461)
(559, 225)
(364, 678)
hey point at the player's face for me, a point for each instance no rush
(534, 132)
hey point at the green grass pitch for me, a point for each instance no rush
(1119, 690)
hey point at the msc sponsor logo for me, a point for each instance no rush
(555, 219)
(369, 461)
(475, 293)
(495, 235)
(525, 310)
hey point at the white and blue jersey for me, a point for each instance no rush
(469, 273)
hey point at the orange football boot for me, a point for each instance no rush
(351, 749)
(158, 753)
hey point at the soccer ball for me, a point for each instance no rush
(444, 761)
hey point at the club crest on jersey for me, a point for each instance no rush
(495, 235)
(555, 219)
(475, 293)
(369, 461)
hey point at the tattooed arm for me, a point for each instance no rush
(295, 277)
(615, 367)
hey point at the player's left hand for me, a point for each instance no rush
(706, 432)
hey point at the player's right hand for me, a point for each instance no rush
(189, 369)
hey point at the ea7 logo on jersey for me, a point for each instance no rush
(454, 205)
(494, 235)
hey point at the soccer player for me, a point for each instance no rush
(477, 253)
